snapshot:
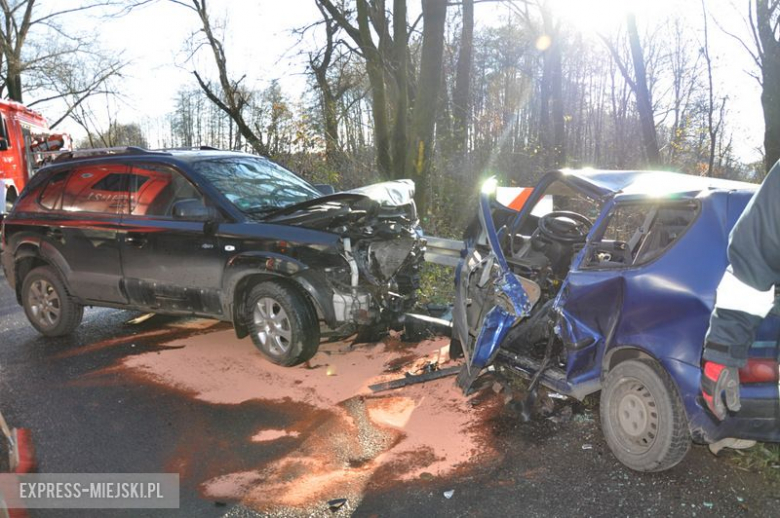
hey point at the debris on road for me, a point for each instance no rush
(140, 319)
(587, 446)
(336, 504)
(414, 379)
(448, 494)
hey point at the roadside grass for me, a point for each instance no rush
(763, 458)
(436, 284)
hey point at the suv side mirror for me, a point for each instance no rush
(324, 188)
(193, 209)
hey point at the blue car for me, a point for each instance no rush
(604, 281)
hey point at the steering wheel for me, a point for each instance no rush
(565, 226)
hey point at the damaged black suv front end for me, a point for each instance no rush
(380, 246)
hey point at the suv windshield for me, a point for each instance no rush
(254, 184)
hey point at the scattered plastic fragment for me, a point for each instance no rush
(708, 505)
(556, 395)
(331, 370)
(740, 499)
(448, 494)
(140, 319)
(412, 379)
(583, 418)
(587, 446)
(336, 504)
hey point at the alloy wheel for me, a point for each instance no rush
(45, 303)
(273, 326)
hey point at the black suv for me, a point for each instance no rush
(220, 234)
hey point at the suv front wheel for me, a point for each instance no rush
(283, 323)
(47, 304)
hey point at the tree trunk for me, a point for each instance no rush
(770, 75)
(329, 108)
(461, 97)
(643, 101)
(401, 58)
(234, 101)
(434, 16)
(13, 83)
(376, 77)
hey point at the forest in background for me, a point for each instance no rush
(415, 89)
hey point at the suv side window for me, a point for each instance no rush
(637, 234)
(96, 189)
(155, 189)
(51, 197)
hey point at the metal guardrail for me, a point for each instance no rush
(445, 252)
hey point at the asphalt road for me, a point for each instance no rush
(87, 416)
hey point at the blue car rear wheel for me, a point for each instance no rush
(642, 416)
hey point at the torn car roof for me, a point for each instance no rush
(657, 183)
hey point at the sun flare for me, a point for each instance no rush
(606, 16)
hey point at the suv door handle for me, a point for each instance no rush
(136, 239)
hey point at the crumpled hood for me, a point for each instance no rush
(392, 200)
(388, 194)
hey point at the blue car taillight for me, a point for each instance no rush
(759, 370)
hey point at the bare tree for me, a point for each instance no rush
(372, 17)
(639, 86)
(766, 34)
(403, 103)
(426, 102)
(461, 96)
(330, 69)
(552, 124)
(43, 60)
(642, 93)
(33, 39)
(713, 126)
(231, 97)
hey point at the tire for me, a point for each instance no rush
(282, 323)
(47, 304)
(642, 417)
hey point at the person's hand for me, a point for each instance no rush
(720, 388)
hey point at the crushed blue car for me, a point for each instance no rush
(605, 281)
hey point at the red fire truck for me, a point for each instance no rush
(25, 144)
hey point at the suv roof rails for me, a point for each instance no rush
(86, 153)
(189, 148)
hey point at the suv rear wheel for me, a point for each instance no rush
(47, 304)
(642, 417)
(283, 323)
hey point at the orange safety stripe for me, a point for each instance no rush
(518, 203)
